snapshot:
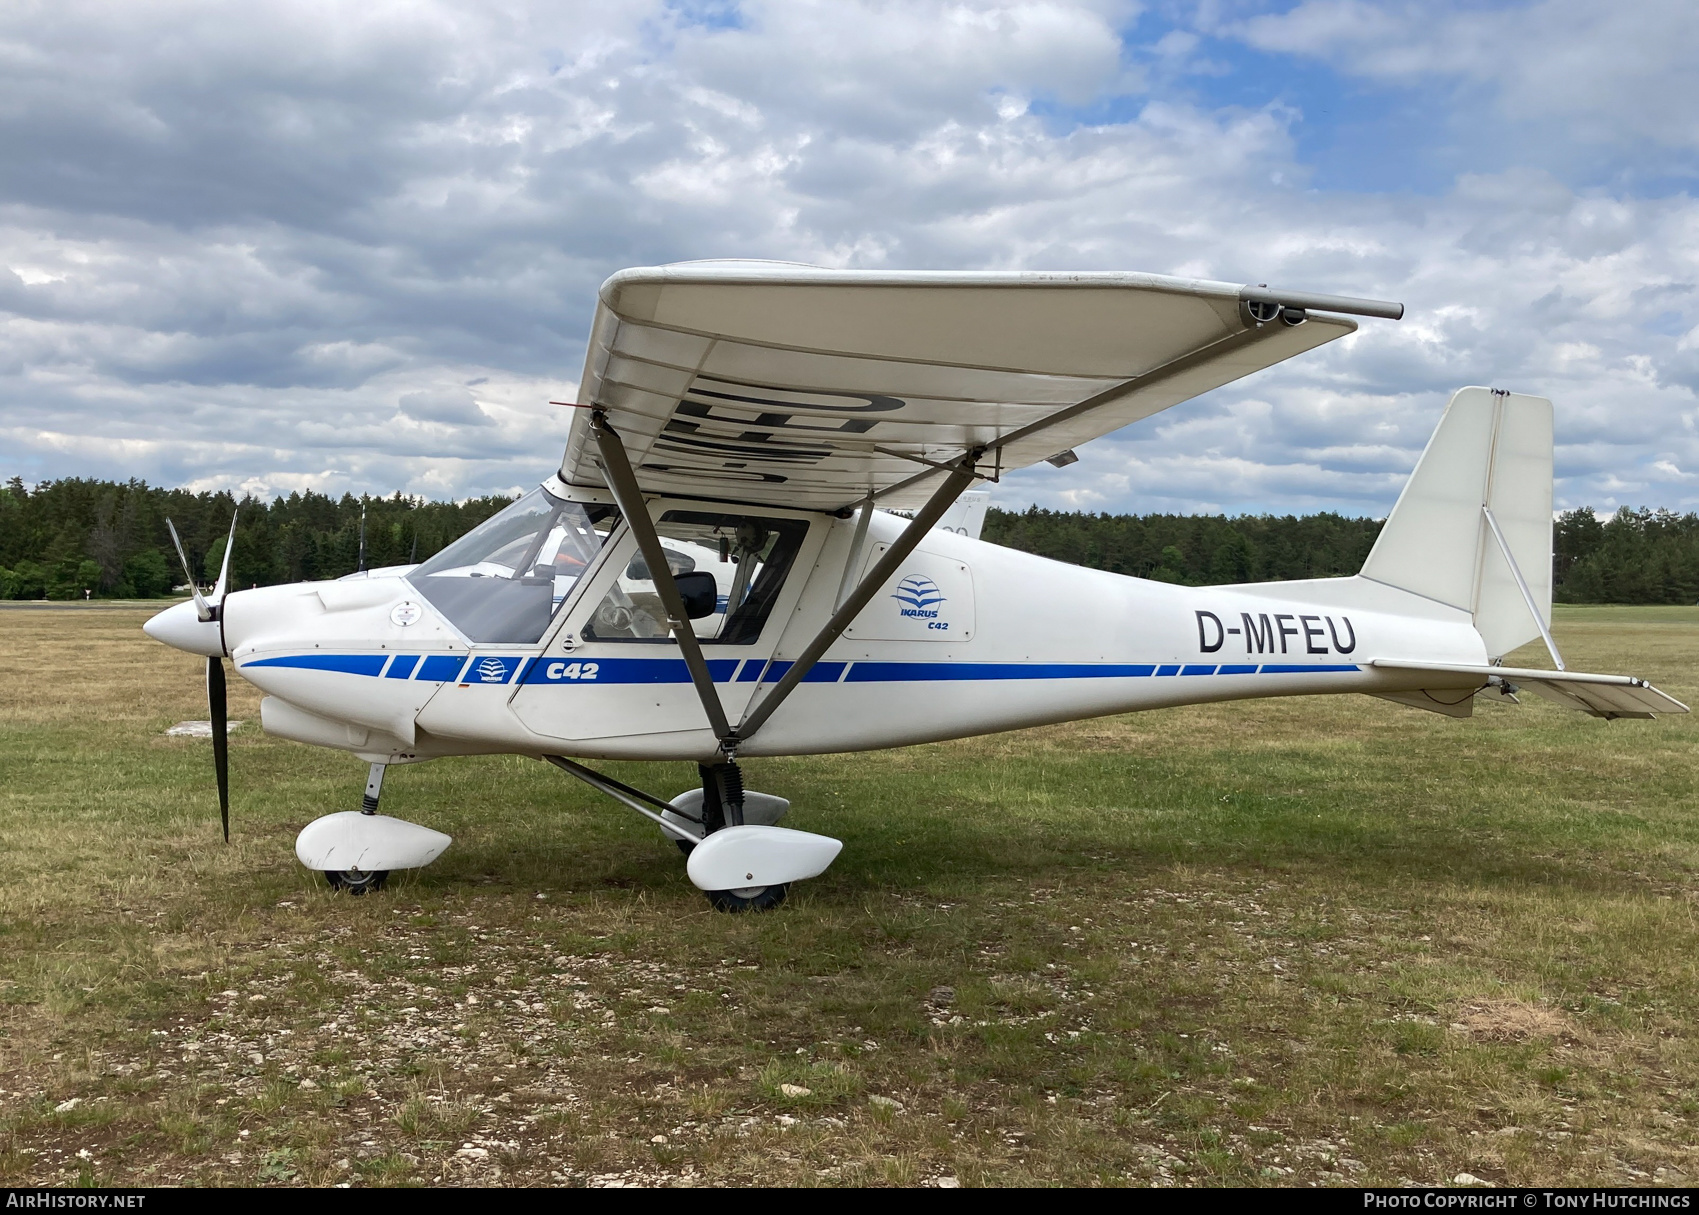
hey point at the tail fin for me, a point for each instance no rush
(967, 516)
(1488, 463)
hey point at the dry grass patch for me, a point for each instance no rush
(1510, 1020)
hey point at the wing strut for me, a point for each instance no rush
(856, 542)
(1221, 347)
(962, 475)
(616, 466)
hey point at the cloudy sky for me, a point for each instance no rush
(293, 243)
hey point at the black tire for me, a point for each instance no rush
(686, 846)
(354, 882)
(765, 898)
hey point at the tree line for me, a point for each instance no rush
(1635, 556)
(108, 539)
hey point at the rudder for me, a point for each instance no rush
(1490, 454)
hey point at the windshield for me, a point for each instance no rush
(503, 580)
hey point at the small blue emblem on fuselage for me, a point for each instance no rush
(919, 597)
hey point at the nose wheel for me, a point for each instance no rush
(357, 850)
(355, 881)
(749, 898)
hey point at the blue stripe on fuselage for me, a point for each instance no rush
(346, 664)
(625, 670)
(441, 668)
(820, 672)
(445, 667)
(1300, 669)
(916, 672)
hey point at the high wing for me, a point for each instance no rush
(790, 385)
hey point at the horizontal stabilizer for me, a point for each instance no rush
(1607, 696)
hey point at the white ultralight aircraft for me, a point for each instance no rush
(710, 574)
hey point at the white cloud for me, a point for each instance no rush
(453, 405)
(356, 246)
(1603, 71)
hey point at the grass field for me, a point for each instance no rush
(1291, 942)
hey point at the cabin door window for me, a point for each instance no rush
(730, 566)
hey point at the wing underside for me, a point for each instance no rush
(812, 388)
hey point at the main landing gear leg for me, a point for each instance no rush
(722, 799)
(357, 881)
(722, 806)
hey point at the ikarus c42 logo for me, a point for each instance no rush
(932, 600)
(918, 597)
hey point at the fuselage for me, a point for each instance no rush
(969, 638)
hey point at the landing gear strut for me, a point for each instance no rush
(711, 830)
(356, 881)
(722, 799)
(722, 806)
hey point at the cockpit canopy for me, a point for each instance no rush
(503, 581)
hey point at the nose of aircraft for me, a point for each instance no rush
(178, 626)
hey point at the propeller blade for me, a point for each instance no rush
(224, 569)
(202, 608)
(218, 710)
